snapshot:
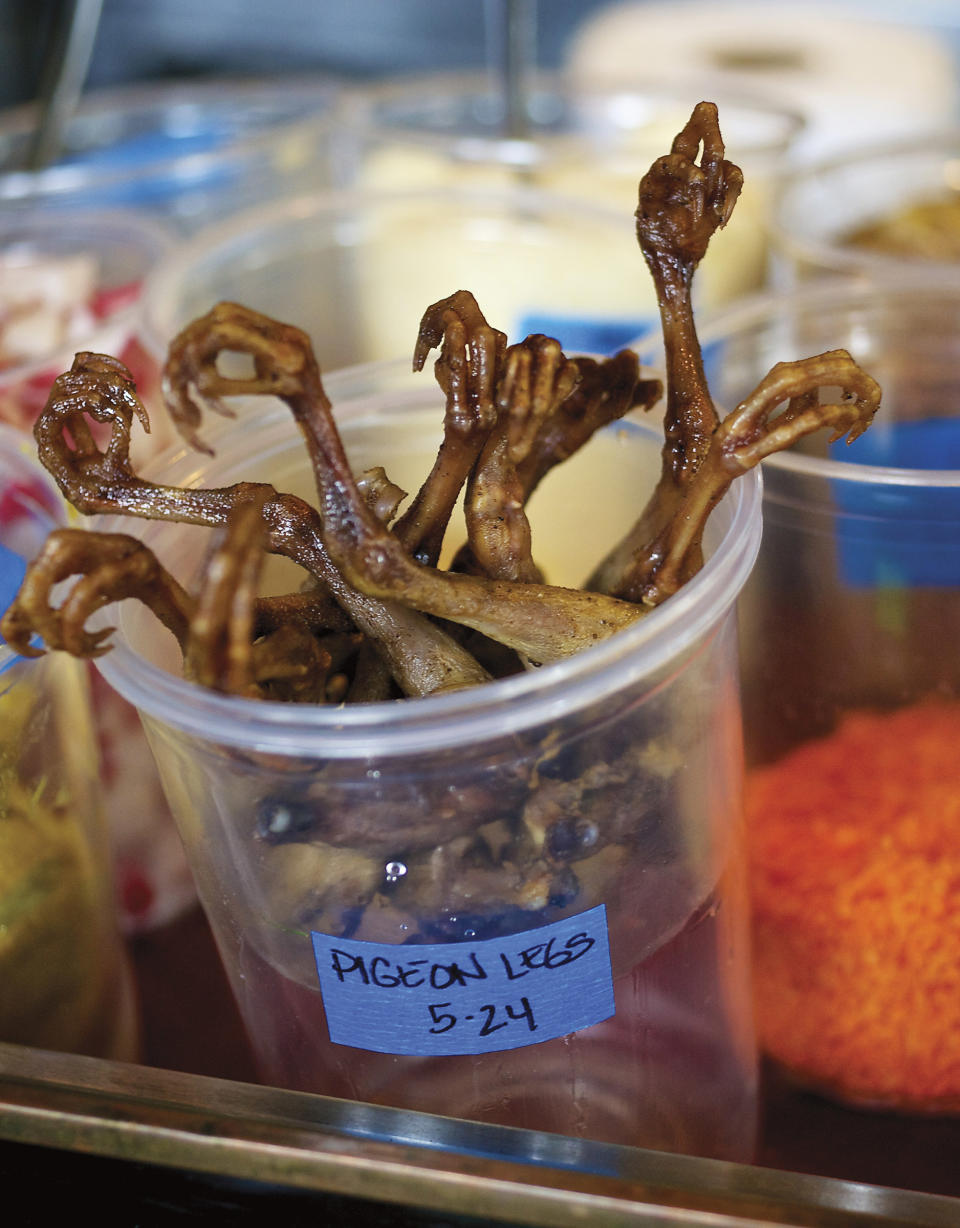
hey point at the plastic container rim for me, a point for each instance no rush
(759, 309)
(50, 182)
(361, 104)
(850, 261)
(157, 239)
(243, 227)
(498, 708)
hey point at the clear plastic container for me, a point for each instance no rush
(852, 699)
(856, 73)
(820, 209)
(66, 982)
(588, 143)
(357, 270)
(67, 286)
(478, 853)
(186, 151)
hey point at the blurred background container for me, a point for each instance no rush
(851, 685)
(357, 270)
(66, 982)
(876, 212)
(68, 283)
(861, 555)
(856, 72)
(188, 152)
(584, 142)
(140, 40)
(69, 286)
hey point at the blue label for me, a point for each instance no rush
(892, 536)
(586, 334)
(463, 998)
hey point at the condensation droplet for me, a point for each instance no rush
(393, 871)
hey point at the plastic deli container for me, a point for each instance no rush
(66, 984)
(521, 903)
(590, 143)
(880, 212)
(357, 270)
(69, 285)
(852, 700)
(186, 151)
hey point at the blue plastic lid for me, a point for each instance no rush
(132, 165)
(12, 570)
(146, 149)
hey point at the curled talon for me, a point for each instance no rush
(284, 366)
(750, 432)
(537, 377)
(110, 567)
(96, 387)
(191, 382)
(471, 350)
(682, 204)
(754, 429)
(606, 389)
(468, 370)
(95, 479)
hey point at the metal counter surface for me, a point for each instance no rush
(191, 1137)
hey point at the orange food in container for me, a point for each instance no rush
(855, 861)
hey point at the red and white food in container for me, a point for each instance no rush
(72, 282)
